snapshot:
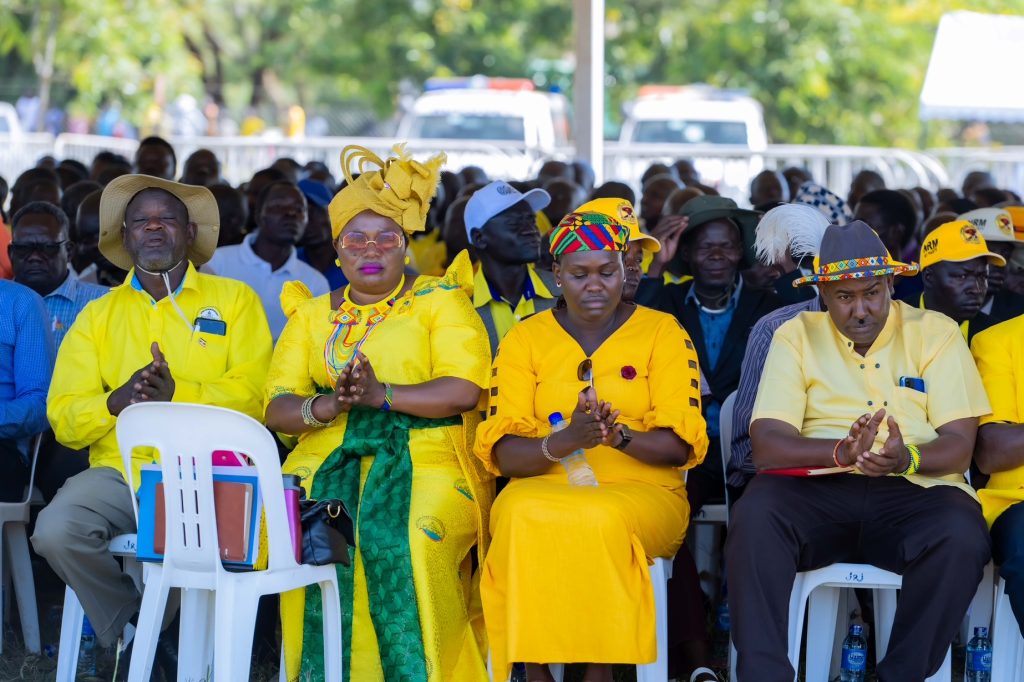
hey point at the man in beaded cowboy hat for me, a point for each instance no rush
(882, 401)
(168, 333)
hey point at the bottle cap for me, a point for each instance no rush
(856, 629)
(981, 632)
(555, 418)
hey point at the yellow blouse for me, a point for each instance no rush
(999, 352)
(647, 368)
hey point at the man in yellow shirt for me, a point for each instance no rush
(888, 395)
(999, 352)
(169, 333)
(501, 224)
(956, 263)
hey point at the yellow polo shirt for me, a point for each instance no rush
(815, 381)
(999, 352)
(111, 338)
(504, 314)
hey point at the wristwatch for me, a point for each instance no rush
(627, 436)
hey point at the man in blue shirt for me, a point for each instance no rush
(40, 250)
(26, 364)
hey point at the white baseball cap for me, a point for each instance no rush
(995, 224)
(496, 197)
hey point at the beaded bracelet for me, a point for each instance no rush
(389, 398)
(307, 413)
(914, 465)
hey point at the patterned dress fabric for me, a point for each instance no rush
(410, 600)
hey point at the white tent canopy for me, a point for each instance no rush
(975, 72)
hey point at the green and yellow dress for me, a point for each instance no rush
(410, 600)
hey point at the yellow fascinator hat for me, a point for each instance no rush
(399, 188)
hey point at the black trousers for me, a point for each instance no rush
(936, 538)
(13, 472)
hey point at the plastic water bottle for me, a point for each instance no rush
(720, 639)
(87, 650)
(979, 657)
(576, 464)
(855, 656)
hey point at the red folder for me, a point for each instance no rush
(807, 471)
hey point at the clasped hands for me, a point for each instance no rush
(592, 423)
(357, 385)
(855, 449)
(152, 383)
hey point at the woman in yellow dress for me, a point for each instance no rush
(380, 382)
(566, 575)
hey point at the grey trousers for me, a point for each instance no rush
(72, 534)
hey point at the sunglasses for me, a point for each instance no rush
(26, 249)
(357, 241)
(585, 372)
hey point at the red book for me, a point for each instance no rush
(807, 471)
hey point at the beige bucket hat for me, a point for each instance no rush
(199, 201)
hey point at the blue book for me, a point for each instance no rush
(238, 509)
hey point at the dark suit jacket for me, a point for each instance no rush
(724, 377)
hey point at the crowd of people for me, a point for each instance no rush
(433, 346)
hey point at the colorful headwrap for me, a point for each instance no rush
(401, 189)
(598, 225)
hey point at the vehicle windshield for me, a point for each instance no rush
(458, 126)
(678, 131)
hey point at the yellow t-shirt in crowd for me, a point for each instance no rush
(815, 381)
(502, 312)
(999, 352)
(111, 338)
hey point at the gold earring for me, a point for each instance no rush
(337, 261)
(408, 260)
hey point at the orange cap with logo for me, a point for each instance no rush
(1017, 216)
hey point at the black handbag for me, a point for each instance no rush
(327, 532)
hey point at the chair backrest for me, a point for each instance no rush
(185, 437)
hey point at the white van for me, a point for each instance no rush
(694, 115)
(488, 113)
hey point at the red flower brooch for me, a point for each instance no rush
(628, 373)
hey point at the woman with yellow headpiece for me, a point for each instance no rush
(380, 382)
(566, 577)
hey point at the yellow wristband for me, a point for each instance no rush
(914, 465)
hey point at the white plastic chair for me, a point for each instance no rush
(122, 546)
(185, 435)
(661, 572)
(14, 554)
(817, 592)
(1007, 643)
